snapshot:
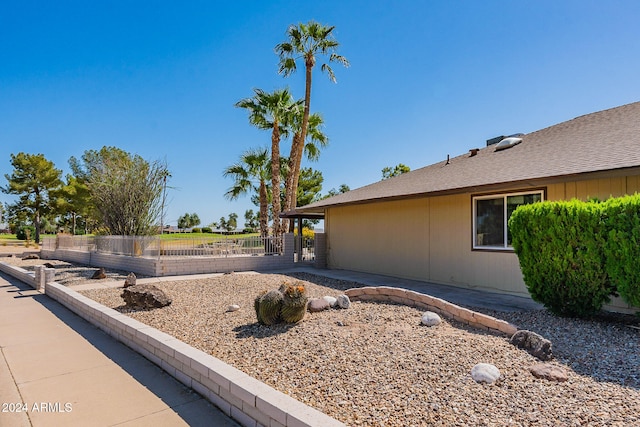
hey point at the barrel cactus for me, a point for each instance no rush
(269, 306)
(294, 303)
(256, 305)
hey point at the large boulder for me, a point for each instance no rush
(533, 343)
(99, 274)
(145, 297)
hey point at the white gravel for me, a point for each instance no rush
(383, 368)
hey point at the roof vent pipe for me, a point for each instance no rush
(447, 160)
(473, 152)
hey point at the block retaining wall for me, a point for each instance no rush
(240, 396)
(427, 302)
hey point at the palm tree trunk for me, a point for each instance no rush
(275, 178)
(264, 214)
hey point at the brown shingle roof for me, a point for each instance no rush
(602, 141)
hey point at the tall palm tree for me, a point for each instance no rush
(316, 139)
(306, 41)
(272, 111)
(251, 173)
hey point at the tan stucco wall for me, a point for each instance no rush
(430, 239)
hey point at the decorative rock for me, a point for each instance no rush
(343, 301)
(99, 274)
(318, 304)
(31, 256)
(234, 307)
(49, 265)
(130, 280)
(333, 302)
(485, 373)
(145, 297)
(430, 318)
(548, 372)
(533, 343)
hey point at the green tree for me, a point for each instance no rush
(232, 222)
(251, 173)
(333, 192)
(390, 172)
(310, 186)
(307, 42)
(74, 202)
(34, 180)
(251, 220)
(125, 189)
(188, 220)
(272, 111)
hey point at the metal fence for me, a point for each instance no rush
(154, 246)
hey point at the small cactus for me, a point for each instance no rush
(294, 303)
(269, 307)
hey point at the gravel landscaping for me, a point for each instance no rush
(374, 364)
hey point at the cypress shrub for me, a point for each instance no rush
(622, 249)
(560, 246)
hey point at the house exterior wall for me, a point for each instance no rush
(430, 238)
(389, 238)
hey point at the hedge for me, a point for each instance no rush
(622, 248)
(560, 246)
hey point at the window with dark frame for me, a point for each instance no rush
(491, 215)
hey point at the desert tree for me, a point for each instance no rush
(125, 189)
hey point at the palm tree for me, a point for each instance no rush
(316, 140)
(272, 111)
(251, 173)
(306, 41)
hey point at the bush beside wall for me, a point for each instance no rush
(574, 255)
(622, 248)
(560, 246)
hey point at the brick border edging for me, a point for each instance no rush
(245, 399)
(238, 395)
(424, 301)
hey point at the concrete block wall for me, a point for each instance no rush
(169, 266)
(427, 302)
(240, 396)
(21, 274)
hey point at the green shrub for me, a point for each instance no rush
(21, 232)
(622, 249)
(196, 230)
(207, 230)
(560, 246)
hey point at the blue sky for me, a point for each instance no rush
(427, 79)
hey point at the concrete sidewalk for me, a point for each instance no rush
(58, 370)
